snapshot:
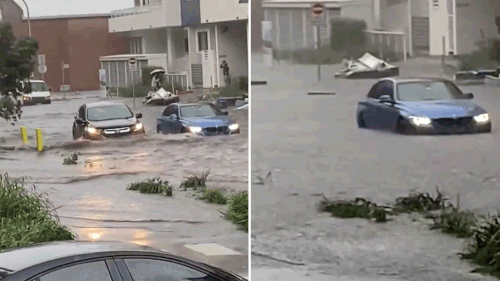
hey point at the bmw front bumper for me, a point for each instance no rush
(466, 125)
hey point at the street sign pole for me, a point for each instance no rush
(317, 12)
(133, 87)
(64, 89)
(132, 66)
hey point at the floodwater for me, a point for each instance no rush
(310, 146)
(92, 195)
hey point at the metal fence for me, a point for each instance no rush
(136, 10)
(388, 42)
(178, 79)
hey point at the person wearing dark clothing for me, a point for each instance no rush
(225, 72)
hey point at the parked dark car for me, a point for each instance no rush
(199, 118)
(102, 261)
(102, 120)
(421, 106)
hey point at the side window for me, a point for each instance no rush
(375, 92)
(95, 271)
(169, 111)
(389, 88)
(81, 112)
(159, 270)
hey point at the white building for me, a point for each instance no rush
(188, 38)
(426, 27)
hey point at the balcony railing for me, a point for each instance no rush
(136, 10)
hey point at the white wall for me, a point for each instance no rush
(360, 9)
(155, 41)
(472, 16)
(227, 10)
(233, 49)
(172, 12)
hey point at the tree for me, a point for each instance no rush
(16, 66)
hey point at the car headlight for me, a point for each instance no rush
(195, 129)
(92, 130)
(481, 118)
(138, 126)
(26, 98)
(233, 127)
(420, 121)
(47, 97)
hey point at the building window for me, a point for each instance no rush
(145, 2)
(136, 45)
(203, 41)
(243, 1)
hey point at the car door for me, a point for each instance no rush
(387, 113)
(79, 127)
(95, 270)
(157, 269)
(176, 124)
(164, 122)
(372, 104)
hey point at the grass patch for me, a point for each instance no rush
(195, 181)
(214, 196)
(27, 216)
(72, 159)
(358, 208)
(152, 186)
(238, 210)
(238, 87)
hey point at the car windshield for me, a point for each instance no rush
(428, 91)
(199, 110)
(39, 87)
(110, 112)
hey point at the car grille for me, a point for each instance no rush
(450, 123)
(212, 131)
(38, 99)
(116, 132)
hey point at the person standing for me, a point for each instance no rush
(225, 72)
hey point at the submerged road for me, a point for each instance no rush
(312, 147)
(92, 195)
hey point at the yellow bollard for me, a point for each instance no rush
(39, 140)
(24, 135)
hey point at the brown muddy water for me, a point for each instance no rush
(92, 195)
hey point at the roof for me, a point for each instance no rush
(416, 79)
(19, 258)
(103, 103)
(108, 15)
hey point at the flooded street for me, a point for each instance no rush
(312, 146)
(92, 195)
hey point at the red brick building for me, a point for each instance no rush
(77, 40)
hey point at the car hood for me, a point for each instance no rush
(442, 109)
(208, 121)
(113, 123)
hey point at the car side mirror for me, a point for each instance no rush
(75, 117)
(225, 112)
(386, 99)
(138, 115)
(469, 96)
(79, 121)
(173, 117)
(50, 89)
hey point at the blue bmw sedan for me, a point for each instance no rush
(199, 118)
(412, 106)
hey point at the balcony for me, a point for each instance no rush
(154, 15)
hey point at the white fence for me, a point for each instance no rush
(179, 79)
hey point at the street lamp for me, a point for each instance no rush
(29, 22)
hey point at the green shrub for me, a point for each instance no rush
(487, 57)
(238, 209)
(458, 223)
(139, 89)
(238, 87)
(195, 181)
(27, 216)
(348, 35)
(155, 185)
(215, 196)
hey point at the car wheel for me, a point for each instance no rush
(361, 121)
(183, 130)
(158, 129)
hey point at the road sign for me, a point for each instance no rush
(66, 66)
(317, 9)
(132, 63)
(64, 88)
(42, 68)
(41, 59)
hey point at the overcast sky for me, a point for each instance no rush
(42, 8)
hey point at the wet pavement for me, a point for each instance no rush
(312, 146)
(92, 195)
